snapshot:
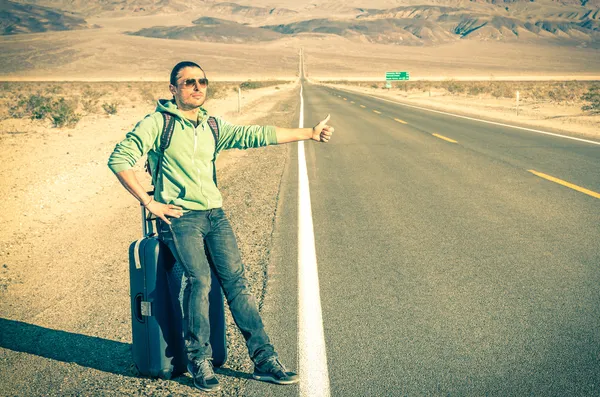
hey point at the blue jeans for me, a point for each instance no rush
(187, 237)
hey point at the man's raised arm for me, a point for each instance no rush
(320, 133)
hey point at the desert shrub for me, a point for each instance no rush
(421, 85)
(7, 98)
(455, 87)
(38, 106)
(62, 113)
(593, 99)
(559, 93)
(54, 89)
(502, 90)
(17, 109)
(90, 99)
(569, 91)
(147, 94)
(90, 105)
(537, 93)
(477, 89)
(110, 108)
(218, 90)
(35, 106)
(252, 85)
(148, 91)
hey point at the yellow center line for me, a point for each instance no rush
(567, 184)
(376, 111)
(401, 121)
(363, 106)
(345, 99)
(444, 138)
(351, 101)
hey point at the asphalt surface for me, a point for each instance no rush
(445, 268)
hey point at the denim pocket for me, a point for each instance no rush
(165, 233)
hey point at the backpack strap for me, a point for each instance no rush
(165, 140)
(167, 132)
(214, 128)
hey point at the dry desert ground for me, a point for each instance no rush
(64, 285)
(63, 250)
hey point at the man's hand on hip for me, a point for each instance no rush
(161, 210)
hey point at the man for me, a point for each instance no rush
(188, 204)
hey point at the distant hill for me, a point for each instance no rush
(149, 7)
(212, 30)
(249, 11)
(26, 18)
(422, 25)
(121, 7)
(567, 22)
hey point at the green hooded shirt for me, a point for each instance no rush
(186, 175)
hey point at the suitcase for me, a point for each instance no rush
(157, 283)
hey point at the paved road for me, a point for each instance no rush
(446, 268)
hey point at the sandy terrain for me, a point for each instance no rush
(64, 290)
(563, 118)
(106, 54)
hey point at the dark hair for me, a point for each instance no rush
(179, 66)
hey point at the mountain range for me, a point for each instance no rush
(18, 18)
(565, 22)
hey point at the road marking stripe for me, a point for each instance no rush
(345, 99)
(376, 111)
(489, 122)
(363, 106)
(401, 121)
(351, 101)
(565, 183)
(314, 375)
(444, 138)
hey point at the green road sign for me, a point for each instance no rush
(397, 76)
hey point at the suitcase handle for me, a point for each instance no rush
(137, 308)
(147, 218)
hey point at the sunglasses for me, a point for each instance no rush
(191, 83)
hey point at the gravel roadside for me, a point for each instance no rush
(64, 287)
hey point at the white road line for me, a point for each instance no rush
(314, 375)
(489, 122)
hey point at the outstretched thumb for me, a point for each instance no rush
(326, 119)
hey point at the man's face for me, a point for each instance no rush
(190, 91)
